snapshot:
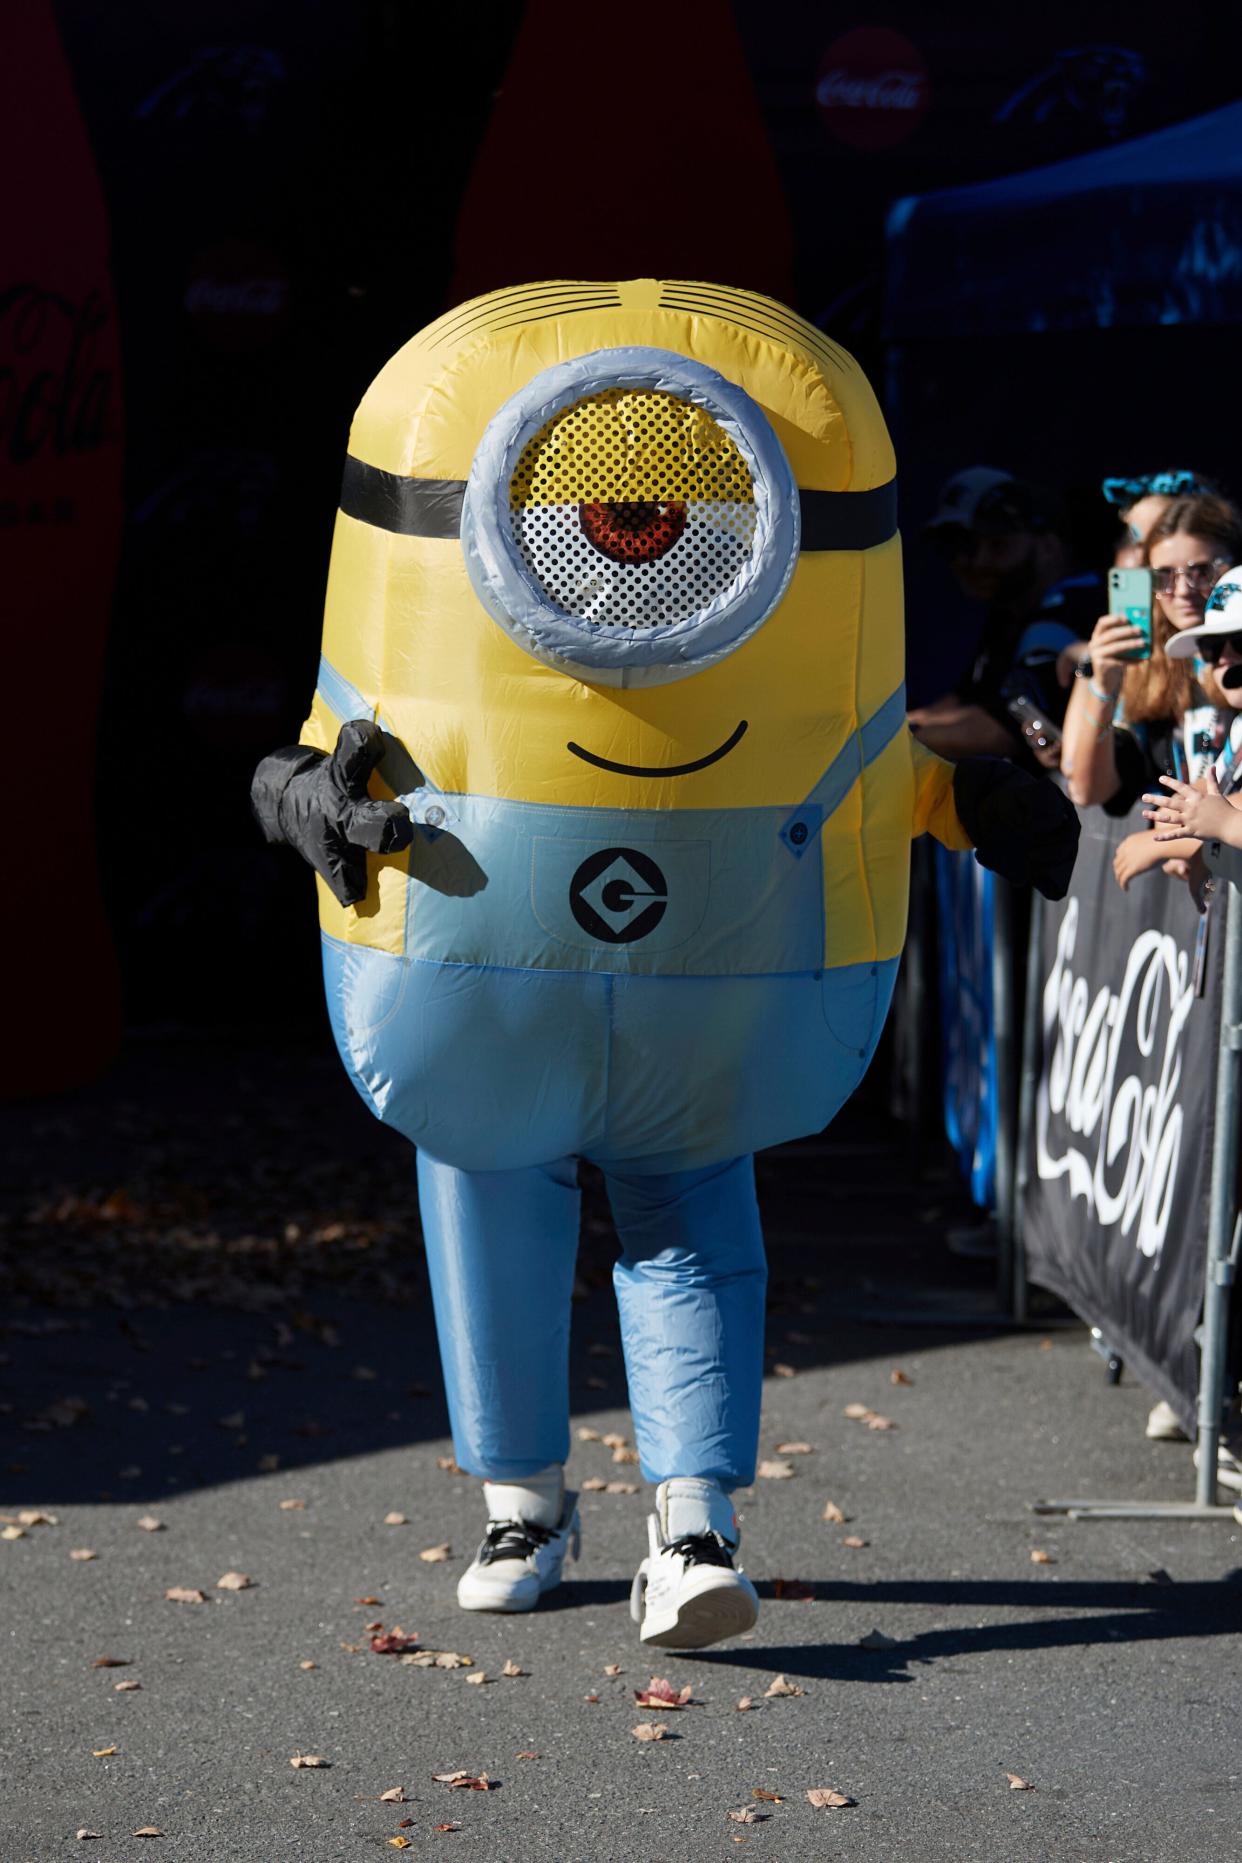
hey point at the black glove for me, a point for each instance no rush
(319, 805)
(1023, 826)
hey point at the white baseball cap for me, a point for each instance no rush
(1223, 615)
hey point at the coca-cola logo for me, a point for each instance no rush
(55, 390)
(237, 297)
(1116, 1139)
(872, 89)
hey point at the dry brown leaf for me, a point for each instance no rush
(435, 1555)
(613, 1668)
(765, 1797)
(35, 1517)
(620, 1487)
(825, 1799)
(1040, 1557)
(83, 1553)
(746, 1814)
(13, 1533)
(591, 1698)
(795, 1449)
(660, 1693)
(150, 1524)
(627, 1456)
(449, 1465)
(292, 1507)
(876, 1640)
(594, 1484)
(395, 1520)
(586, 1434)
(898, 1376)
(103, 1752)
(112, 1662)
(446, 1827)
(781, 1687)
(368, 1601)
(833, 1512)
(464, 1781)
(743, 1705)
(400, 1843)
(83, 1834)
(185, 1594)
(877, 1422)
(855, 1540)
(308, 1665)
(857, 1412)
(783, 1371)
(649, 1730)
(613, 1441)
(394, 1642)
(125, 1688)
(774, 1471)
(526, 1756)
(394, 1796)
(300, 1760)
(235, 1581)
(1017, 1783)
(478, 1678)
(147, 1830)
(513, 1668)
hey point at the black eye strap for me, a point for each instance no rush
(432, 508)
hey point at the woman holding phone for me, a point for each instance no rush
(1136, 714)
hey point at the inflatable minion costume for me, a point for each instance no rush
(612, 691)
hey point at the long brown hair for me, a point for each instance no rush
(1162, 688)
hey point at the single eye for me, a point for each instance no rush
(630, 516)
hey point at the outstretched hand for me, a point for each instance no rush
(319, 804)
(1202, 814)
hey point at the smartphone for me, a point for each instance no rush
(1129, 596)
(1028, 713)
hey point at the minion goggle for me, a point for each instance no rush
(630, 516)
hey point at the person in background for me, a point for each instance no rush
(1141, 502)
(1004, 540)
(1128, 723)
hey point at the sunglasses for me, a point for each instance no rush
(1210, 648)
(1197, 576)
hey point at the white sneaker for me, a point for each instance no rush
(1164, 1425)
(687, 1592)
(1228, 1468)
(530, 1528)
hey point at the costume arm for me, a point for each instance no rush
(935, 812)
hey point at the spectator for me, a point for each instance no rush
(1129, 723)
(1004, 540)
(1140, 503)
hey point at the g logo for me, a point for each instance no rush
(607, 892)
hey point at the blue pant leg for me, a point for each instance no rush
(501, 1247)
(691, 1285)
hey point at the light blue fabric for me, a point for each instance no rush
(690, 1286)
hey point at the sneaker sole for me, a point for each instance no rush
(708, 1617)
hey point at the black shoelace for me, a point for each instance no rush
(512, 1539)
(702, 1549)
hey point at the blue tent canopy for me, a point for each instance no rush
(1148, 232)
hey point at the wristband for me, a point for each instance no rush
(1103, 698)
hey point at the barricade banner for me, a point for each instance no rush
(1114, 1219)
(965, 930)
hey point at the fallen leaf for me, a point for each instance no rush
(478, 1678)
(613, 1668)
(898, 1376)
(833, 1512)
(446, 1827)
(591, 1698)
(308, 1665)
(649, 1730)
(587, 1435)
(34, 1517)
(81, 1553)
(185, 1594)
(594, 1484)
(856, 1412)
(235, 1581)
(876, 1640)
(660, 1693)
(395, 1520)
(368, 1601)
(292, 1507)
(613, 1441)
(627, 1456)
(1045, 1345)
(876, 1422)
(793, 1590)
(435, 1555)
(13, 1533)
(83, 1834)
(768, 1798)
(393, 1642)
(825, 1799)
(855, 1540)
(783, 1371)
(774, 1471)
(781, 1687)
(620, 1487)
(111, 1662)
(744, 1705)
(465, 1781)
(513, 1668)
(1017, 1783)
(526, 1756)
(309, 1760)
(103, 1752)
(449, 1464)
(394, 1796)
(147, 1830)
(1040, 1557)
(794, 1449)
(745, 1814)
(400, 1843)
(150, 1524)
(125, 1688)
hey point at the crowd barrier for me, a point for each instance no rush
(1089, 1087)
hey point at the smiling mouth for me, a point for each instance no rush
(671, 769)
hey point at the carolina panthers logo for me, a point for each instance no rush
(1221, 594)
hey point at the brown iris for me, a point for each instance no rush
(638, 532)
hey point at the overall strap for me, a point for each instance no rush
(859, 751)
(410, 784)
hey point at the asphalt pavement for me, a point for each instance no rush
(216, 1321)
